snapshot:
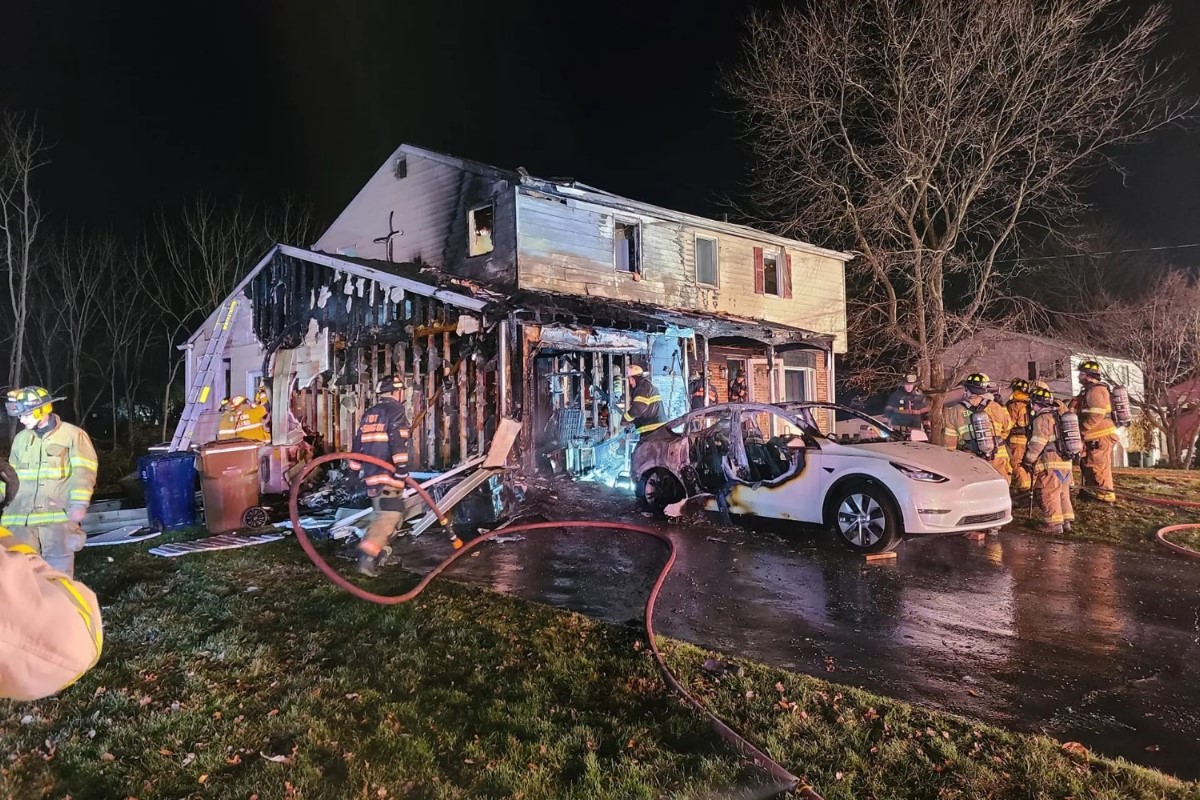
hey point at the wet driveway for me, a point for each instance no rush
(1084, 643)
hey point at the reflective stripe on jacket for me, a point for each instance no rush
(1042, 453)
(645, 407)
(1094, 407)
(56, 470)
(1018, 410)
(51, 632)
(384, 434)
(249, 422)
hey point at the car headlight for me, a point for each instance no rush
(918, 474)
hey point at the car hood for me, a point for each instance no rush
(950, 463)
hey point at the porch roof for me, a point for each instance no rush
(626, 314)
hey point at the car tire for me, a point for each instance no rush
(657, 489)
(865, 518)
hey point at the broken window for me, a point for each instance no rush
(706, 261)
(627, 255)
(480, 224)
(771, 274)
(774, 446)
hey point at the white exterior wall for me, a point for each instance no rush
(242, 349)
(421, 205)
(568, 247)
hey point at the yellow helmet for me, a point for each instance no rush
(236, 401)
(29, 400)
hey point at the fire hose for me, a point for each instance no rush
(1160, 534)
(784, 781)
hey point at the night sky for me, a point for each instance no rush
(149, 103)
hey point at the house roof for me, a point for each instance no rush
(573, 189)
(410, 277)
(1058, 341)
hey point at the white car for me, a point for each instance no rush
(786, 461)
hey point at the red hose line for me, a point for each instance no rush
(785, 780)
(1159, 535)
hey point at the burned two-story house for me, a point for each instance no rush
(499, 294)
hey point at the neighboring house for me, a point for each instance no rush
(1006, 355)
(527, 298)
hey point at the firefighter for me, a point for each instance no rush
(696, 391)
(52, 633)
(385, 434)
(645, 411)
(56, 467)
(958, 431)
(244, 420)
(1093, 404)
(1045, 458)
(228, 425)
(906, 407)
(1019, 411)
(738, 393)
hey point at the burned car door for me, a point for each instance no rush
(709, 446)
(780, 479)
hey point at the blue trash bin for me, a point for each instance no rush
(170, 483)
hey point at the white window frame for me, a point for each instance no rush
(471, 230)
(778, 258)
(253, 379)
(716, 282)
(637, 245)
(810, 383)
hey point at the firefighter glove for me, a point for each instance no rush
(76, 512)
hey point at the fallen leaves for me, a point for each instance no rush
(108, 757)
(277, 759)
(1075, 749)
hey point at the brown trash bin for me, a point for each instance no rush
(229, 482)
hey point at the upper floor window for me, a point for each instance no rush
(772, 273)
(480, 224)
(627, 256)
(706, 261)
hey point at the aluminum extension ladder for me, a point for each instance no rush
(201, 387)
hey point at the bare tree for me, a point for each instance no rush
(928, 136)
(1160, 331)
(22, 152)
(128, 331)
(204, 254)
(79, 266)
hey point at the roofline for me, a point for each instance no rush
(1074, 348)
(386, 278)
(581, 191)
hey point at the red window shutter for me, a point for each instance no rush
(759, 287)
(787, 275)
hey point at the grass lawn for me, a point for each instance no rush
(1127, 523)
(243, 674)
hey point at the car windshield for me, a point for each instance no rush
(842, 425)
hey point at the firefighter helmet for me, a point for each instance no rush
(390, 383)
(29, 400)
(1091, 368)
(976, 383)
(1041, 397)
(634, 371)
(1019, 385)
(236, 400)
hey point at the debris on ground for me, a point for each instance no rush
(226, 541)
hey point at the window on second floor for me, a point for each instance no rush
(480, 225)
(771, 274)
(627, 255)
(706, 261)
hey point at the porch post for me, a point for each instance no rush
(771, 378)
(502, 369)
(704, 371)
(687, 376)
(829, 375)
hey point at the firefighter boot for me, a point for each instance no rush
(369, 564)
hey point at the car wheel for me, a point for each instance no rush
(657, 489)
(865, 518)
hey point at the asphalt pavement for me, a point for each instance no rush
(1082, 642)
